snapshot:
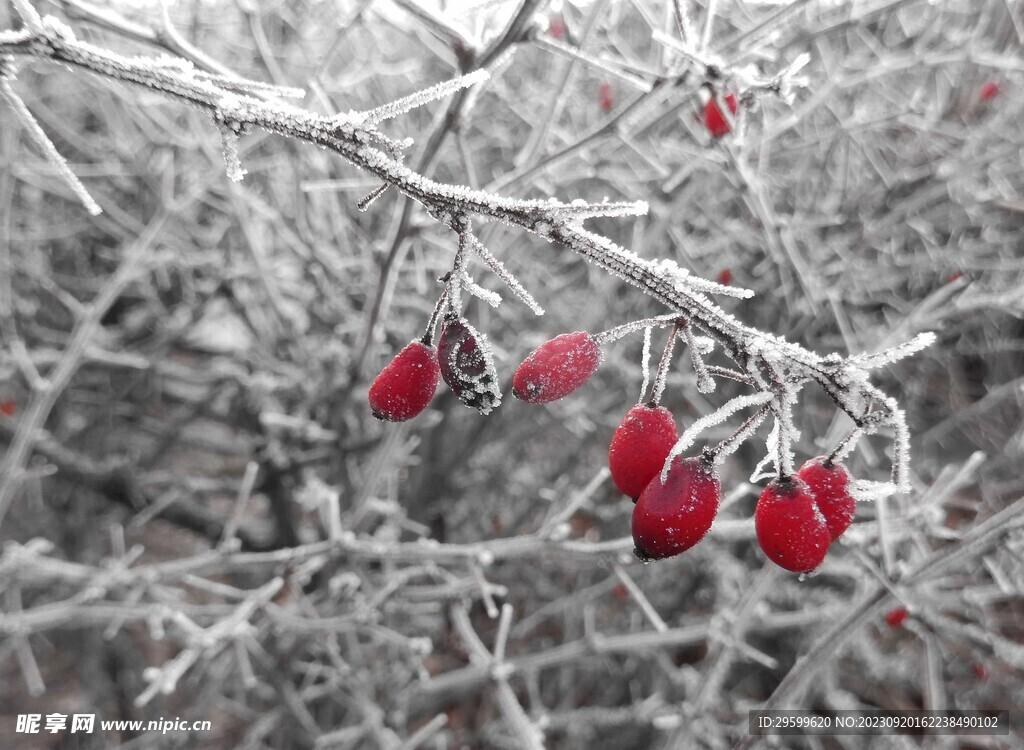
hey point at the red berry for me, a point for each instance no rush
(830, 485)
(895, 618)
(790, 529)
(604, 96)
(405, 386)
(670, 518)
(467, 365)
(556, 368)
(988, 91)
(724, 276)
(7, 408)
(556, 27)
(955, 276)
(713, 117)
(640, 445)
(980, 670)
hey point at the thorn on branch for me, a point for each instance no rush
(229, 150)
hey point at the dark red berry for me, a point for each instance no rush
(895, 617)
(980, 670)
(604, 96)
(713, 117)
(467, 365)
(670, 518)
(7, 408)
(790, 529)
(724, 276)
(988, 91)
(830, 485)
(556, 368)
(405, 386)
(640, 445)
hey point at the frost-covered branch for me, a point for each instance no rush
(777, 365)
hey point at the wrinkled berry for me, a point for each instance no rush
(467, 365)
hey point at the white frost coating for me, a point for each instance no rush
(728, 446)
(582, 210)
(505, 275)
(771, 445)
(491, 298)
(418, 99)
(893, 353)
(865, 490)
(645, 363)
(901, 445)
(703, 344)
(718, 416)
(713, 287)
(44, 144)
(705, 383)
(229, 150)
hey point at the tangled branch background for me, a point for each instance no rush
(200, 514)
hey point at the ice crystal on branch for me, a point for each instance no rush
(719, 415)
(412, 101)
(42, 141)
(229, 149)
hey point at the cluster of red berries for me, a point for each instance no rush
(796, 519)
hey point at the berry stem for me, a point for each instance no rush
(428, 336)
(746, 430)
(616, 333)
(864, 427)
(666, 359)
(705, 383)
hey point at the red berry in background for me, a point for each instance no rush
(467, 365)
(640, 445)
(406, 384)
(830, 485)
(556, 368)
(988, 91)
(670, 518)
(980, 670)
(7, 408)
(556, 27)
(713, 117)
(895, 617)
(604, 96)
(790, 529)
(724, 276)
